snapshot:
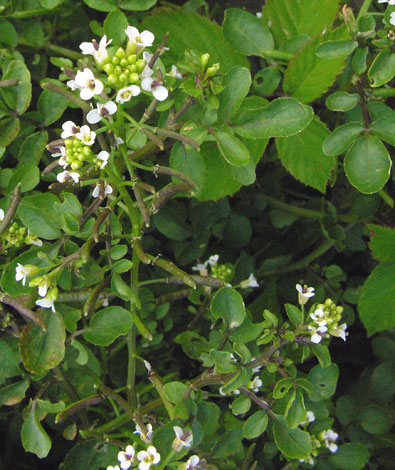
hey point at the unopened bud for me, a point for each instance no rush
(204, 58)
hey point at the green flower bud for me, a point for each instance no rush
(120, 53)
(328, 303)
(76, 165)
(132, 68)
(339, 309)
(123, 77)
(81, 157)
(213, 70)
(76, 143)
(108, 68)
(272, 367)
(117, 70)
(124, 63)
(134, 78)
(140, 64)
(68, 143)
(204, 58)
(131, 48)
(112, 79)
(132, 59)
(86, 151)
(115, 60)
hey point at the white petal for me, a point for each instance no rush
(86, 94)
(178, 431)
(42, 290)
(147, 38)
(1, 215)
(61, 177)
(111, 106)
(87, 48)
(160, 93)
(146, 83)
(95, 192)
(99, 87)
(131, 32)
(93, 116)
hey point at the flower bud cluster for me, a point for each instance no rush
(123, 69)
(325, 321)
(14, 235)
(76, 153)
(221, 271)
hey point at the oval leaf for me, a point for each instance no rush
(255, 425)
(232, 149)
(341, 138)
(107, 324)
(237, 82)
(34, 438)
(335, 49)
(382, 69)
(228, 304)
(352, 456)
(341, 101)
(294, 443)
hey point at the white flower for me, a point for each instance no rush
(174, 72)
(101, 111)
(310, 418)
(31, 239)
(339, 331)
(145, 437)
(304, 293)
(255, 384)
(126, 458)
(191, 463)
(98, 51)
(69, 129)
(72, 85)
(49, 300)
(390, 2)
(67, 175)
(102, 157)
(144, 39)
(202, 268)
(126, 94)
(60, 152)
(258, 14)
(213, 260)
(158, 91)
(182, 439)
(392, 16)
(1, 215)
(86, 135)
(88, 84)
(318, 317)
(330, 437)
(250, 282)
(308, 460)
(107, 190)
(113, 468)
(148, 457)
(22, 272)
(317, 333)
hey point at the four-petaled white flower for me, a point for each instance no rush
(88, 84)
(145, 436)
(250, 282)
(190, 464)
(339, 331)
(69, 129)
(126, 458)
(148, 457)
(182, 439)
(102, 159)
(174, 72)
(31, 239)
(98, 51)
(310, 418)
(304, 293)
(317, 333)
(158, 91)
(330, 437)
(68, 175)
(143, 39)
(102, 110)
(22, 272)
(86, 135)
(213, 260)
(126, 94)
(49, 300)
(107, 190)
(255, 384)
(392, 16)
(318, 317)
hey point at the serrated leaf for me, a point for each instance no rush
(382, 69)
(282, 117)
(34, 437)
(107, 324)
(246, 32)
(303, 157)
(308, 76)
(294, 443)
(288, 19)
(232, 149)
(203, 36)
(367, 164)
(237, 82)
(376, 303)
(382, 243)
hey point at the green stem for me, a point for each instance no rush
(31, 14)
(159, 386)
(381, 92)
(130, 383)
(386, 198)
(63, 51)
(281, 55)
(364, 9)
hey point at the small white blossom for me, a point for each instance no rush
(158, 91)
(255, 384)
(144, 39)
(310, 418)
(250, 282)
(148, 457)
(258, 14)
(330, 437)
(392, 16)
(317, 333)
(22, 272)
(43, 287)
(113, 468)
(1, 215)
(118, 141)
(96, 115)
(31, 239)
(182, 439)
(72, 85)
(318, 317)
(49, 300)
(304, 293)
(126, 458)
(102, 159)
(145, 437)
(190, 464)
(86, 135)
(88, 84)
(213, 260)
(308, 460)
(107, 190)
(67, 175)
(174, 72)
(98, 51)
(339, 331)
(126, 94)
(69, 129)
(60, 152)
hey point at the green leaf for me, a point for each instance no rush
(188, 161)
(102, 5)
(341, 101)
(17, 97)
(203, 36)
(237, 82)
(341, 138)
(136, 5)
(255, 425)
(376, 304)
(294, 443)
(232, 149)
(43, 350)
(33, 32)
(282, 117)
(114, 27)
(382, 69)
(335, 49)
(26, 174)
(385, 129)
(118, 251)
(38, 214)
(107, 324)
(8, 34)
(375, 420)
(367, 164)
(303, 157)
(228, 304)
(122, 266)
(208, 415)
(346, 409)
(175, 391)
(324, 381)
(321, 352)
(228, 443)
(246, 32)
(51, 106)
(9, 129)
(359, 62)
(289, 19)
(9, 362)
(34, 437)
(90, 455)
(351, 456)
(14, 393)
(294, 314)
(224, 363)
(33, 148)
(49, 4)
(296, 413)
(241, 405)
(282, 387)
(308, 76)
(169, 223)
(382, 243)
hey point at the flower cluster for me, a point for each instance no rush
(325, 321)
(144, 459)
(16, 235)
(327, 439)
